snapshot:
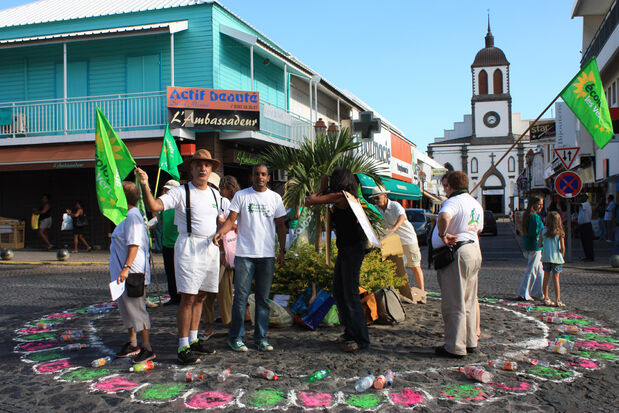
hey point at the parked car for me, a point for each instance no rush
(489, 223)
(421, 223)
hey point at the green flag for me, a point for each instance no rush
(170, 157)
(113, 162)
(584, 95)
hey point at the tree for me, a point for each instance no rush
(306, 166)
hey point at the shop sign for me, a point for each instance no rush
(213, 109)
(543, 129)
(245, 158)
(377, 151)
(493, 191)
(438, 172)
(64, 165)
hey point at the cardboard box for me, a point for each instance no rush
(391, 245)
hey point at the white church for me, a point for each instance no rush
(477, 142)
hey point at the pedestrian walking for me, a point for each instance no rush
(609, 222)
(45, 219)
(585, 229)
(260, 213)
(553, 250)
(168, 239)
(80, 223)
(395, 219)
(532, 224)
(130, 257)
(459, 222)
(351, 241)
(196, 258)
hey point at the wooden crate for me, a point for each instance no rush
(12, 233)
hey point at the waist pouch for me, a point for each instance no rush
(442, 257)
(134, 285)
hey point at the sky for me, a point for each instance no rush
(411, 59)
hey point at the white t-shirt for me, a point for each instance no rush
(204, 209)
(131, 231)
(584, 213)
(610, 210)
(391, 214)
(467, 218)
(256, 221)
(225, 207)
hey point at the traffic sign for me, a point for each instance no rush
(567, 156)
(568, 184)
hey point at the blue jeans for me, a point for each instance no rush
(246, 269)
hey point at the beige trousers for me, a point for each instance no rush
(224, 298)
(458, 282)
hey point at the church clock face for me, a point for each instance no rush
(492, 119)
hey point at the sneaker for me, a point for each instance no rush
(128, 351)
(186, 356)
(199, 348)
(144, 356)
(238, 346)
(264, 346)
(150, 304)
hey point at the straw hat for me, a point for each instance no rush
(214, 179)
(378, 190)
(171, 184)
(202, 155)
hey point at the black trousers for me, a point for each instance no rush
(168, 264)
(346, 293)
(586, 237)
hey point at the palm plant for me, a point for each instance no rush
(306, 166)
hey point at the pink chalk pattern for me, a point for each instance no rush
(406, 397)
(53, 367)
(311, 399)
(115, 384)
(209, 399)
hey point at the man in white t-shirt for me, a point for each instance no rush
(395, 219)
(460, 220)
(258, 212)
(196, 258)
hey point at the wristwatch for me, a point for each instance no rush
(442, 235)
(126, 266)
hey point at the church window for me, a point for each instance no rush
(474, 166)
(511, 164)
(483, 82)
(498, 81)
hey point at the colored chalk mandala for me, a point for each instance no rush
(51, 343)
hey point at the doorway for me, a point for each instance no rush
(494, 203)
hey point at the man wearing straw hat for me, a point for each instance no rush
(196, 262)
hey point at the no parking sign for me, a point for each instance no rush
(568, 184)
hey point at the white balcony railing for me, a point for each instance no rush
(125, 112)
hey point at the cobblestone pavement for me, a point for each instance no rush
(31, 291)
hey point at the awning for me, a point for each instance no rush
(432, 197)
(397, 189)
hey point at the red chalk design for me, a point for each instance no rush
(593, 345)
(53, 367)
(116, 384)
(209, 399)
(59, 315)
(407, 397)
(518, 387)
(311, 399)
(594, 329)
(573, 316)
(584, 363)
(37, 345)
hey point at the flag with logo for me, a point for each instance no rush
(584, 95)
(170, 156)
(113, 163)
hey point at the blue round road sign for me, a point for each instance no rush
(568, 184)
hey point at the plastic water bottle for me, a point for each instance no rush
(535, 362)
(187, 377)
(477, 373)
(45, 326)
(556, 348)
(102, 361)
(365, 383)
(389, 377)
(529, 309)
(564, 342)
(71, 335)
(223, 376)
(569, 329)
(74, 346)
(379, 383)
(149, 365)
(98, 310)
(505, 365)
(267, 374)
(318, 375)
(551, 317)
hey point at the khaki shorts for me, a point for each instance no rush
(412, 254)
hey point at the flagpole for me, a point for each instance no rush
(494, 166)
(157, 183)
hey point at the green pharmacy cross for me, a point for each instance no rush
(367, 125)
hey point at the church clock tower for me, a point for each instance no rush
(491, 102)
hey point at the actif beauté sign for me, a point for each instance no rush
(197, 108)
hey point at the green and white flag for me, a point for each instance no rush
(170, 156)
(584, 95)
(113, 163)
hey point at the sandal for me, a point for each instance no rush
(351, 346)
(560, 304)
(549, 302)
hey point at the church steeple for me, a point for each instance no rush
(489, 36)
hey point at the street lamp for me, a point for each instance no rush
(332, 130)
(529, 159)
(320, 127)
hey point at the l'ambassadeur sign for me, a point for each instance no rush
(213, 108)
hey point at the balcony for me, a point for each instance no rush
(74, 118)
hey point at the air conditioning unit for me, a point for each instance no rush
(280, 175)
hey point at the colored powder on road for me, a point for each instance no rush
(265, 397)
(38, 345)
(160, 391)
(209, 399)
(597, 337)
(549, 373)
(45, 355)
(516, 387)
(595, 330)
(29, 330)
(584, 363)
(85, 374)
(597, 355)
(116, 384)
(406, 397)
(40, 336)
(365, 401)
(593, 345)
(465, 392)
(573, 316)
(575, 321)
(433, 294)
(47, 321)
(54, 366)
(60, 315)
(311, 399)
(551, 309)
